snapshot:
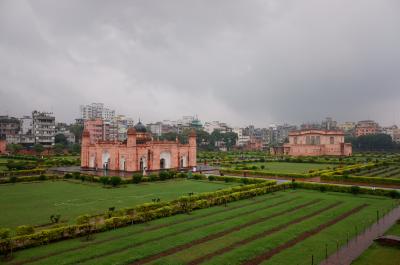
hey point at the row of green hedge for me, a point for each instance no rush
(40, 177)
(360, 179)
(348, 189)
(23, 172)
(264, 173)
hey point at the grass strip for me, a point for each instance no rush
(218, 234)
(114, 251)
(261, 235)
(267, 255)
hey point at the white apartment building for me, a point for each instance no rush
(96, 111)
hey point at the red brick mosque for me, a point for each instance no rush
(140, 152)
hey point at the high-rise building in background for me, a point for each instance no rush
(96, 111)
(9, 128)
(44, 127)
(366, 127)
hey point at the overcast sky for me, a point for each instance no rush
(243, 62)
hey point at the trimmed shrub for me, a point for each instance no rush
(24, 230)
(163, 175)
(137, 178)
(115, 181)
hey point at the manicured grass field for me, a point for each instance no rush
(33, 203)
(285, 167)
(235, 234)
(382, 255)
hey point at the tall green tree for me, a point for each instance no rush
(38, 148)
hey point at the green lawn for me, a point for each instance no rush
(284, 215)
(33, 203)
(285, 167)
(383, 255)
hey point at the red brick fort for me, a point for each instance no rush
(139, 152)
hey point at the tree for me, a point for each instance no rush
(61, 139)
(77, 130)
(38, 148)
(373, 142)
(14, 148)
(58, 148)
(74, 148)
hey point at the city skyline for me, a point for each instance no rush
(239, 62)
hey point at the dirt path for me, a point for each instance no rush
(220, 234)
(148, 229)
(268, 254)
(359, 244)
(260, 235)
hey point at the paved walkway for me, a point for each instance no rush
(358, 245)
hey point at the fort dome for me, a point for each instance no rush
(139, 127)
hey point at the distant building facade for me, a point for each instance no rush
(96, 111)
(9, 127)
(44, 128)
(347, 126)
(317, 143)
(366, 127)
(138, 153)
(3, 146)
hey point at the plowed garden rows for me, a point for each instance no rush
(218, 211)
(175, 233)
(261, 235)
(103, 253)
(250, 248)
(220, 234)
(268, 254)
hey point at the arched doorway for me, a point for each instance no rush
(142, 163)
(92, 161)
(122, 164)
(183, 162)
(165, 160)
(162, 163)
(106, 160)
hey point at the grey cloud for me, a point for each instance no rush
(237, 61)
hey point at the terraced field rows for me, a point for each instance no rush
(258, 231)
(384, 172)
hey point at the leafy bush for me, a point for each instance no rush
(83, 219)
(137, 178)
(4, 233)
(115, 181)
(13, 179)
(153, 177)
(68, 176)
(163, 175)
(104, 180)
(24, 230)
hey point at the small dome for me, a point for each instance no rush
(139, 127)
